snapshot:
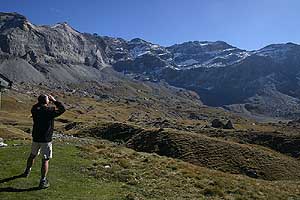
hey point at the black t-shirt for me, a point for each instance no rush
(43, 120)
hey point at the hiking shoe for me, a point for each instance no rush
(44, 184)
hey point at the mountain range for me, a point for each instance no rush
(260, 83)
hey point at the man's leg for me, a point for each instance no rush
(30, 161)
(44, 169)
(46, 149)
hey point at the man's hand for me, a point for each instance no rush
(51, 98)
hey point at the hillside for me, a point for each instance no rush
(228, 156)
(81, 173)
(180, 163)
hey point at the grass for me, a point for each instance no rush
(65, 176)
(103, 170)
(215, 153)
(149, 176)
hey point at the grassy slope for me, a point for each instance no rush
(131, 175)
(80, 173)
(16, 110)
(143, 110)
(218, 154)
(224, 155)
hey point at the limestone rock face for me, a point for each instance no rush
(50, 51)
(59, 43)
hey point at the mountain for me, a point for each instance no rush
(263, 82)
(55, 53)
(254, 83)
(206, 54)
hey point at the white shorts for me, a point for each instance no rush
(44, 148)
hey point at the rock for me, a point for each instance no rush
(130, 196)
(2, 144)
(294, 122)
(251, 173)
(228, 125)
(216, 123)
(72, 125)
(194, 116)
(38, 48)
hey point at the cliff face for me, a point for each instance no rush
(59, 43)
(48, 53)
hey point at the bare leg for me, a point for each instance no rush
(44, 169)
(30, 162)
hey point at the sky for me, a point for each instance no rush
(246, 24)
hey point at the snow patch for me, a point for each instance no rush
(204, 44)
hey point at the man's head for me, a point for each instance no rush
(43, 99)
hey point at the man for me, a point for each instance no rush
(43, 123)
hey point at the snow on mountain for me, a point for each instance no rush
(206, 54)
(139, 47)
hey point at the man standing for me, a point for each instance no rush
(43, 123)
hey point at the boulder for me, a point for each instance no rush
(216, 123)
(228, 125)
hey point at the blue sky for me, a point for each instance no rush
(247, 24)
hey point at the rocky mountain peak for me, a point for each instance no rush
(42, 45)
(279, 46)
(5, 17)
(64, 26)
(138, 41)
(139, 47)
(60, 25)
(200, 46)
(207, 54)
(278, 52)
(13, 20)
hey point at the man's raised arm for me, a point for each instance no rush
(60, 107)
